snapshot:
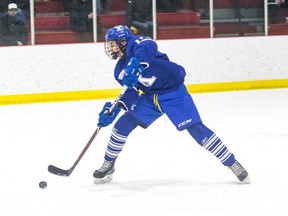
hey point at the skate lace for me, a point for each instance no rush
(237, 168)
(106, 166)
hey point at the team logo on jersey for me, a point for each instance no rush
(121, 74)
(143, 80)
(133, 106)
(147, 81)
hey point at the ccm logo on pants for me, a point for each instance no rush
(184, 123)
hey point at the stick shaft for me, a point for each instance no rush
(57, 171)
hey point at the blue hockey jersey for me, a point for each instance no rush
(160, 74)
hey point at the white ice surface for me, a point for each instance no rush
(161, 172)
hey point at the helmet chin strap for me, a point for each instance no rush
(116, 55)
(122, 45)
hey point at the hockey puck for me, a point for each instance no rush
(43, 184)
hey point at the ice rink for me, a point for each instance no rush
(161, 172)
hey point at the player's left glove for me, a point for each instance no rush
(132, 73)
(106, 118)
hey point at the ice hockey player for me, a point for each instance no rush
(142, 67)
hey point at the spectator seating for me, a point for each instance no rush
(52, 26)
(227, 21)
(181, 25)
(278, 29)
(281, 28)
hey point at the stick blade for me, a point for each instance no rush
(57, 171)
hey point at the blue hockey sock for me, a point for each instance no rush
(123, 127)
(211, 142)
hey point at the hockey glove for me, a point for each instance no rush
(132, 73)
(106, 118)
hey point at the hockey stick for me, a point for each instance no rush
(61, 172)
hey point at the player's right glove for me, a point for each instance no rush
(132, 73)
(106, 118)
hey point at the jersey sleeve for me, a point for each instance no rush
(145, 50)
(131, 95)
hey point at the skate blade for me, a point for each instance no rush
(104, 180)
(246, 180)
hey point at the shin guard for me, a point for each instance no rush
(211, 142)
(123, 127)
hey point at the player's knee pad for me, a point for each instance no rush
(125, 125)
(200, 133)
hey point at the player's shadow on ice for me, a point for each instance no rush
(156, 184)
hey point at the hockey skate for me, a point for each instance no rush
(240, 172)
(105, 173)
